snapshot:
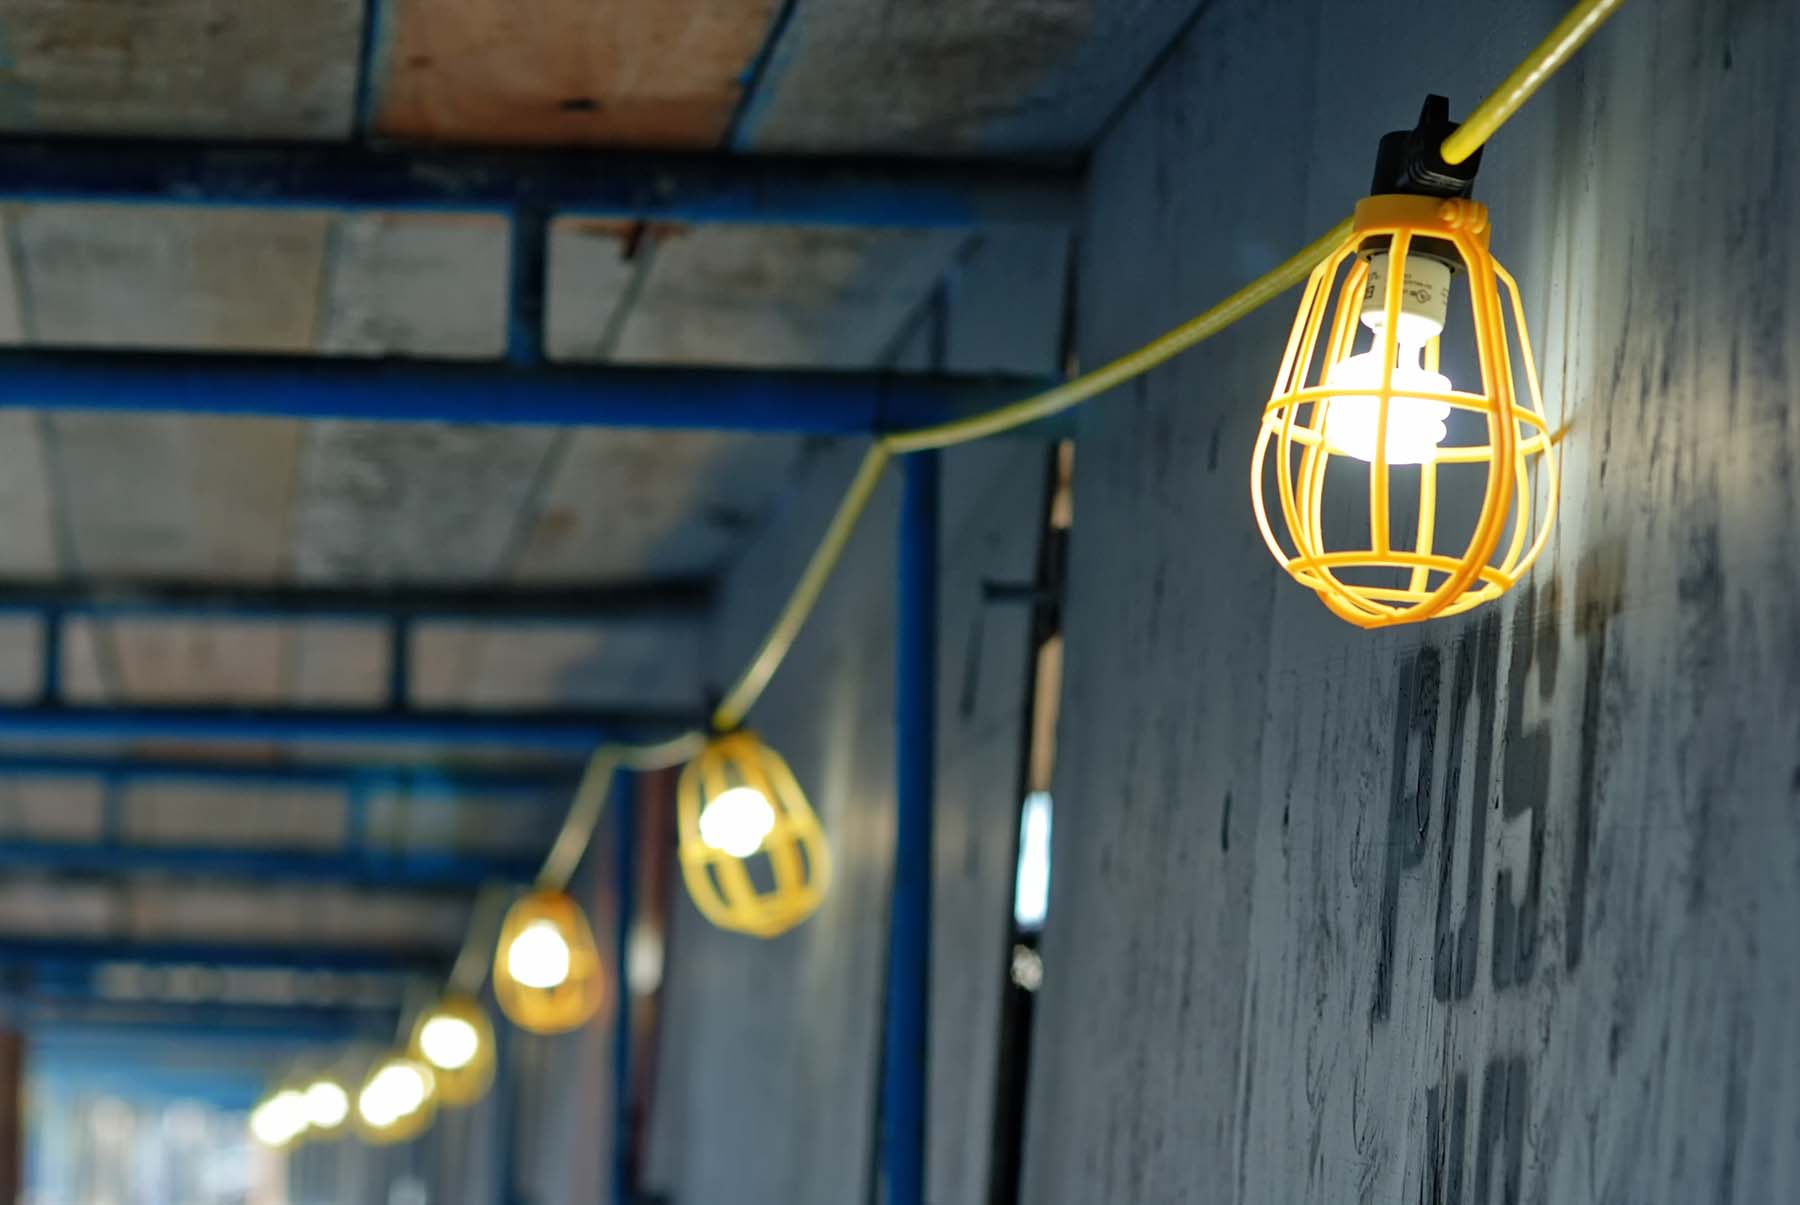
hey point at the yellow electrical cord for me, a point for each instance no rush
(1576, 26)
(749, 687)
(1240, 304)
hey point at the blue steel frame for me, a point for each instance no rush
(905, 1046)
(530, 188)
(358, 864)
(515, 391)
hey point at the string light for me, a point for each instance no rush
(742, 817)
(1388, 411)
(546, 966)
(398, 1101)
(456, 1039)
(327, 1106)
(280, 1120)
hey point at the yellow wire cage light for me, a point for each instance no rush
(397, 1102)
(547, 970)
(456, 1040)
(752, 851)
(1389, 416)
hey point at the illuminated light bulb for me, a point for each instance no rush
(327, 1105)
(1415, 426)
(456, 1039)
(736, 821)
(279, 1120)
(738, 798)
(397, 1101)
(539, 957)
(547, 972)
(1441, 526)
(449, 1043)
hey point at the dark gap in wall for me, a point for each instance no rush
(1023, 973)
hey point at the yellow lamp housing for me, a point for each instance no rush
(741, 814)
(456, 1040)
(1433, 456)
(397, 1102)
(547, 972)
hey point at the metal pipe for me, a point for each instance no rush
(484, 391)
(60, 953)
(211, 1021)
(685, 599)
(399, 868)
(571, 732)
(809, 191)
(419, 783)
(905, 1049)
(624, 803)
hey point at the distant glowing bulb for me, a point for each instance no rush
(280, 1119)
(737, 821)
(1415, 426)
(398, 1090)
(539, 956)
(450, 1043)
(327, 1105)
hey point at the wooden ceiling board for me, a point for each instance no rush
(228, 815)
(381, 503)
(416, 285)
(664, 74)
(166, 277)
(150, 495)
(180, 68)
(782, 295)
(955, 77)
(684, 500)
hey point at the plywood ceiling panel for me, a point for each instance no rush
(213, 279)
(416, 285)
(197, 68)
(955, 77)
(420, 502)
(566, 71)
(781, 295)
(684, 500)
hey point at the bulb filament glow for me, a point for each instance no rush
(280, 1119)
(539, 957)
(398, 1090)
(327, 1105)
(449, 1043)
(737, 821)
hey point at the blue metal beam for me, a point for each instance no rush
(570, 732)
(906, 1043)
(405, 868)
(418, 783)
(55, 954)
(396, 390)
(684, 599)
(83, 1021)
(810, 191)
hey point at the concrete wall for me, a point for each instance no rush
(1566, 970)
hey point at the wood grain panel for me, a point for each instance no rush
(774, 295)
(193, 68)
(492, 71)
(955, 77)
